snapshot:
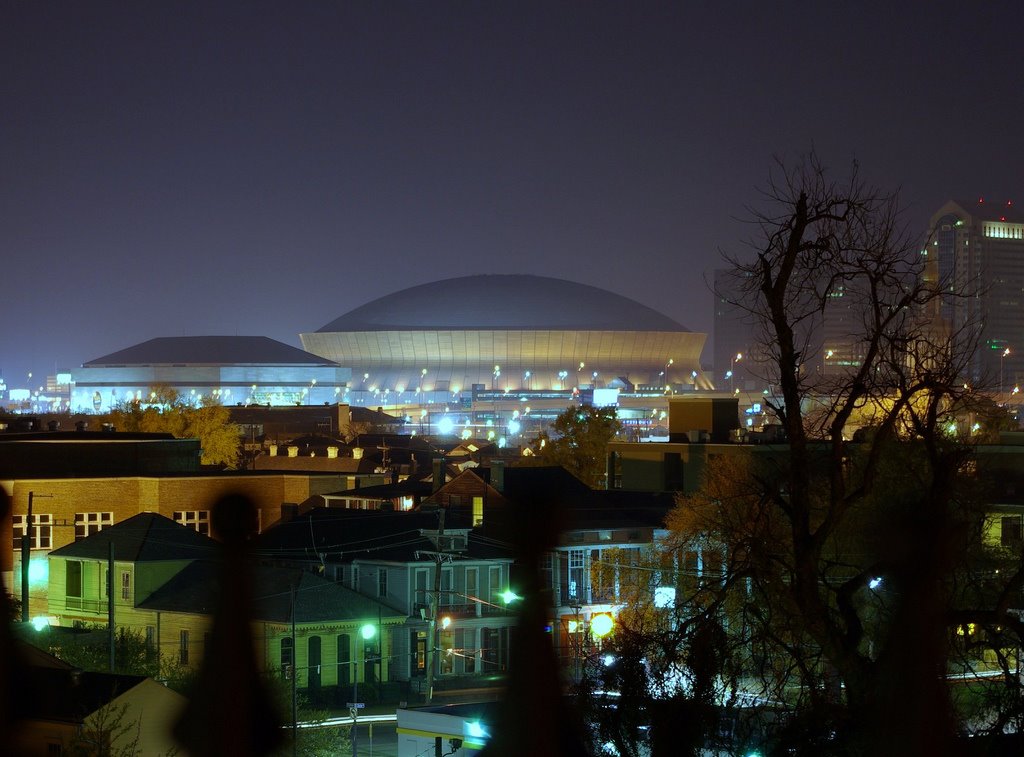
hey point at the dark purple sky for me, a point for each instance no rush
(261, 168)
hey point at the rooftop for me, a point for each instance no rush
(503, 302)
(210, 350)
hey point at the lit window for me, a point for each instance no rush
(42, 530)
(198, 520)
(87, 524)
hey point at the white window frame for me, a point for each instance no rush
(92, 523)
(42, 530)
(197, 520)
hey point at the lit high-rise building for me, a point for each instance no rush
(976, 252)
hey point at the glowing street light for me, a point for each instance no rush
(1001, 358)
(601, 625)
(732, 369)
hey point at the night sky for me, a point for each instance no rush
(249, 168)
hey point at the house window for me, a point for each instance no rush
(577, 572)
(41, 536)
(494, 585)
(469, 651)
(382, 582)
(478, 510)
(471, 585)
(87, 524)
(422, 574)
(195, 519)
(150, 638)
(287, 653)
(73, 586)
(447, 593)
(126, 585)
(183, 648)
(1010, 530)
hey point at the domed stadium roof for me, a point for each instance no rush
(503, 302)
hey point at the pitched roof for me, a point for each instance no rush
(145, 537)
(342, 534)
(196, 589)
(71, 695)
(210, 350)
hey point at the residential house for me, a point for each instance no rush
(402, 560)
(167, 580)
(63, 707)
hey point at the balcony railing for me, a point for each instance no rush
(85, 605)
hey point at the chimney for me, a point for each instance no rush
(498, 475)
(438, 474)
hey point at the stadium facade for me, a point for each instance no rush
(233, 369)
(505, 333)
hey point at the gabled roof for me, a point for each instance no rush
(146, 537)
(196, 589)
(210, 350)
(65, 695)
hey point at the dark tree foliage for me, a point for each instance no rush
(830, 594)
(577, 441)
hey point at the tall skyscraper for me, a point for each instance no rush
(976, 252)
(735, 335)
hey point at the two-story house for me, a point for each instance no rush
(407, 562)
(167, 581)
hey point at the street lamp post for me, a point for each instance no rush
(367, 632)
(1001, 358)
(732, 370)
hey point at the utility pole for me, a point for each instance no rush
(295, 674)
(26, 555)
(435, 601)
(110, 599)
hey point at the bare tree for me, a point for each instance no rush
(847, 566)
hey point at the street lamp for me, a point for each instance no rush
(367, 632)
(1001, 357)
(732, 370)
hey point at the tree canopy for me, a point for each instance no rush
(578, 440)
(166, 411)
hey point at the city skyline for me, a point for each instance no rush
(256, 170)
